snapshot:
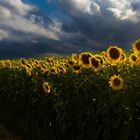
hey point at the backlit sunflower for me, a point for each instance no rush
(8, 64)
(136, 45)
(84, 59)
(95, 63)
(100, 58)
(71, 62)
(43, 66)
(75, 58)
(123, 58)
(46, 87)
(76, 68)
(116, 83)
(36, 63)
(60, 69)
(133, 59)
(114, 54)
(23, 62)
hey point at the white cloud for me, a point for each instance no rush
(56, 26)
(13, 19)
(82, 6)
(122, 9)
(3, 34)
(4, 13)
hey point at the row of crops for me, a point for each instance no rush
(82, 96)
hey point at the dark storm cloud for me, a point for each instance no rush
(104, 23)
(82, 25)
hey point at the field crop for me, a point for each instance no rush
(86, 96)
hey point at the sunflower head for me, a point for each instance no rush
(76, 68)
(43, 66)
(114, 54)
(71, 62)
(84, 59)
(23, 62)
(133, 59)
(36, 63)
(60, 69)
(46, 87)
(75, 58)
(136, 45)
(8, 64)
(100, 58)
(95, 63)
(116, 83)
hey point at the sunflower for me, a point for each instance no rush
(36, 63)
(75, 58)
(114, 54)
(116, 83)
(43, 66)
(100, 58)
(136, 46)
(60, 69)
(95, 63)
(76, 68)
(71, 62)
(23, 62)
(29, 66)
(84, 59)
(46, 87)
(133, 59)
(8, 64)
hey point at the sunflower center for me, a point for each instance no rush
(71, 62)
(76, 67)
(116, 82)
(114, 53)
(95, 63)
(85, 58)
(134, 58)
(101, 60)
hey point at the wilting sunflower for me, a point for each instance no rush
(116, 83)
(133, 59)
(84, 59)
(95, 63)
(114, 54)
(46, 87)
(136, 45)
(76, 68)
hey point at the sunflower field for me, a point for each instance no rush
(86, 96)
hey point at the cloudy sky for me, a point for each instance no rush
(34, 28)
